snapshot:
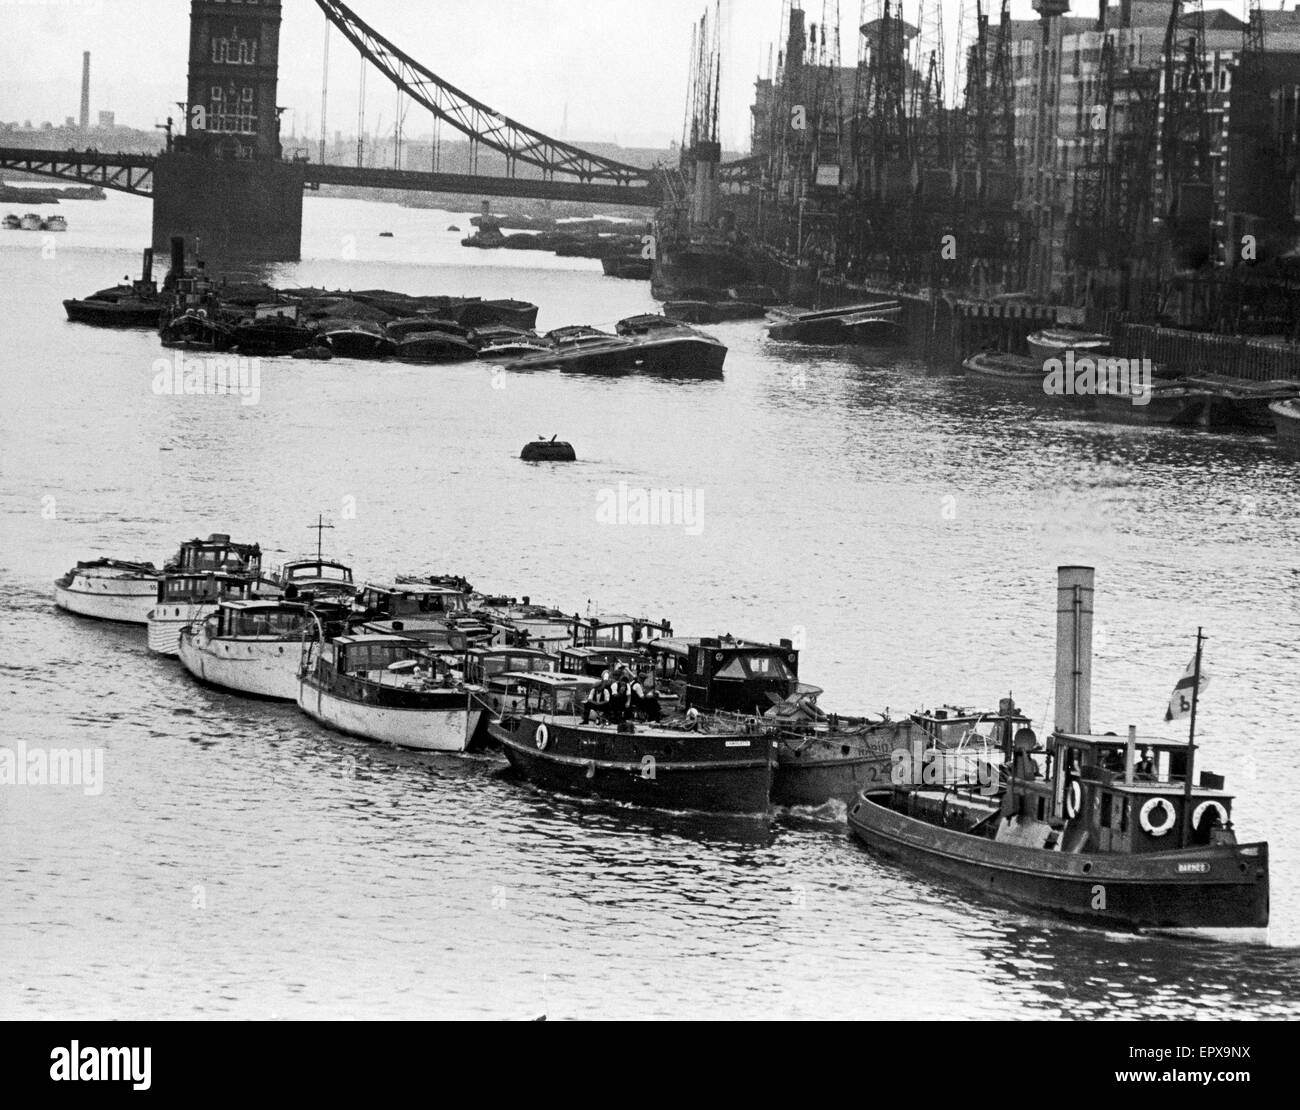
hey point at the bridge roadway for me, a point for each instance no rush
(133, 173)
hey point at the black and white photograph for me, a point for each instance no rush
(597, 510)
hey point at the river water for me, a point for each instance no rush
(904, 526)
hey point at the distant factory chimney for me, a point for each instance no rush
(85, 91)
(1074, 586)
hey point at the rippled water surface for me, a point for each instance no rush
(242, 862)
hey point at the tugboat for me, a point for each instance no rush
(705, 763)
(124, 306)
(12, 223)
(1111, 830)
(55, 223)
(31, 222)
(387, 688)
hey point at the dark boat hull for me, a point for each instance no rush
(1184, 408)
(688, 772)
(692, 356)
(107, 314)
(1208, 887)
(1287, 421)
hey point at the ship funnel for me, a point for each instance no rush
(1074, 588)
(178, 256)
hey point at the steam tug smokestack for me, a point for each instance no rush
(178, 256)
(1074, 588)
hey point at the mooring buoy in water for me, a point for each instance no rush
(548, 450)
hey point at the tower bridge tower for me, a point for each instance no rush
(234, 71)
(225, 186)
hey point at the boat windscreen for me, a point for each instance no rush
(747, 668)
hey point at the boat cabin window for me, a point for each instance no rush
(747, 668)
(358, 658)
(277, 623)
(563, 701)
(318, 571)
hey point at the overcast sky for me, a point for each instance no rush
(618, 67)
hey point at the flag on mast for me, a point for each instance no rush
(1180, 704)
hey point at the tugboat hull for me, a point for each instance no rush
(678, 771)
(1218, 886)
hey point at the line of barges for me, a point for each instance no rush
(620, 707)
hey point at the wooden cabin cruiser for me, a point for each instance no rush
(12, 223)
(54, 223)
(410, 599)
(492, 675)
(126, 591)
(1055, 342)
(191, 596)
(313, 577)
(110, 590)
(617, 630)
(599, 662)
(1113, 830)
(390, 689)
(255, 647)
(708, 763)
(527, 625)
(31, 222)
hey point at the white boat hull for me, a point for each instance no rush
(166, 622)
(439, 730)
(260, 668)
(127, 600)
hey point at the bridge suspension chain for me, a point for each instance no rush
(473, 118)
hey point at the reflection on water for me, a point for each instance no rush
(243, 862)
